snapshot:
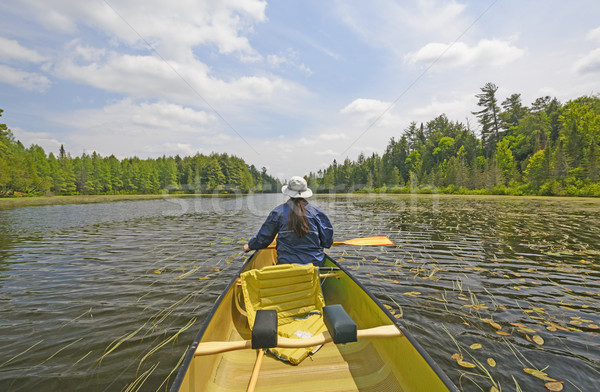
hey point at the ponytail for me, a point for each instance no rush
(297, 221)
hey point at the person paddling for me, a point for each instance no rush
(304, 230)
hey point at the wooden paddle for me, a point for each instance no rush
(255, 371)
(208, 348)
(362, 241)
(366, 241)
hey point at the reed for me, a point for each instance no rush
(63, 348)
(18, 355)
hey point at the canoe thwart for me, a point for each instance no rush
(208, 348)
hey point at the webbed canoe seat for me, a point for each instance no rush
(294, 292)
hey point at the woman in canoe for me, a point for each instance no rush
(304, 230)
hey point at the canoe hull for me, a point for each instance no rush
(375, 364)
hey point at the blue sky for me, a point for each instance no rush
(286, 85)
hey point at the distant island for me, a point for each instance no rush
(546, 149)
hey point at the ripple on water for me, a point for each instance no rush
(89, 294)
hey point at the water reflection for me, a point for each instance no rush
(108, 296)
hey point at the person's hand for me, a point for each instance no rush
(246, 248)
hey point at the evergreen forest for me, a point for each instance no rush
(30, 171)
(547, 148)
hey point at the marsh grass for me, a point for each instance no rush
(21, 353)
(12, 202)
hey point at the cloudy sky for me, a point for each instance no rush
(286, 85)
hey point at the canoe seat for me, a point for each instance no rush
(294, 291)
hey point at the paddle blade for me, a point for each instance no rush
(367, 241)
(363, 241)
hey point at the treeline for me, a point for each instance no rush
(545, 149)
(31, 171)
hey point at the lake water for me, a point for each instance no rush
(107, 297)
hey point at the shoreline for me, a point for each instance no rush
(455, 195)
(34, 201)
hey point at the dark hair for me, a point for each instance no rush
(297, 221)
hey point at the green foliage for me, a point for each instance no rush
(489, 117)
(31, 171)
(545, 149)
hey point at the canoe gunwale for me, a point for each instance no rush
(434, 366)
(189, 356)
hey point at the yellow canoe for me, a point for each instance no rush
(370, 364)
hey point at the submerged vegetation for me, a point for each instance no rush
(545, 149)
(30, 171)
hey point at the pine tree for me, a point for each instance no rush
(513, 111)
(593, 163)
(489, 117)
(560, 167)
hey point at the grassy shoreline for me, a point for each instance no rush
(13, 202)
(592, 202)
(16, 202)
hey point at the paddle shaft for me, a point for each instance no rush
(256, 370)
(208, 348)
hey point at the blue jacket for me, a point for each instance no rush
(290, 247)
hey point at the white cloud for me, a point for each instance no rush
(168, 26)
(431, 14)
(485, 53)
(152, 77)
(588, 64)
(332, 137)
(289, 58)
(141, 119)
(185, 149)
(371, 112)
(320, 139)
(128, 128)
(12, 50)
(453, 108)
(328, 152)
(594, 35)
(369, 106)
(23, 79)
(391, 24)
(44, 139)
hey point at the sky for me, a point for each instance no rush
(289, 86)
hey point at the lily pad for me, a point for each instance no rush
(554, 386)
(538, 339)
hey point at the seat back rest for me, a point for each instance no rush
(293, 290)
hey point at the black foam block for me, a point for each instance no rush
(340, 325)
(264, 332)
